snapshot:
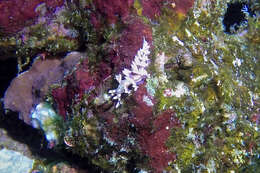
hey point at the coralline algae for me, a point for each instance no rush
(163, 86)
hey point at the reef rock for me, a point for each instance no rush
(30, 87)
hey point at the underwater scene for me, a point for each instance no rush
(129, 86)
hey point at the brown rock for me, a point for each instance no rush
(30, 87)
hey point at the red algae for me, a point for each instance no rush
(152, 8)
(153, 133)
(16, 14)
(51, 4)
(118, 131)
(114, 9)
(183, 6)
(82, 81)
(78, 83)
(143, 113)
(153, 143)
(154, 146)
(129, 43)
(61, 99)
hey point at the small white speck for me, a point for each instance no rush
(199, 78)
(147, 100)
(237, 62)
(168, 92)
(196, 23)
(188, 32)
(203, 108)
(175, 38)
(218, 84)
(142, 171)
(180, 90)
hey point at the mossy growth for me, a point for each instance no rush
(45, 118)
(85, 137)
(223, 90)
(138, 7)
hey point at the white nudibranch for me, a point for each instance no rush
(131, 78)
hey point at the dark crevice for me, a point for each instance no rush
(8, 71)
(37, 143)
(235, 16)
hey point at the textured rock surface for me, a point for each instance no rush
(31, 87)
(12, 161)
(188, 102)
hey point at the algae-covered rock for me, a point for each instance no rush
(163, 86)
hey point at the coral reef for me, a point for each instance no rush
(138, 85)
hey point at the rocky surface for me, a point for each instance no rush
(134, 86)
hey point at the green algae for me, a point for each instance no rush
(222, 82)
(46, 119)
(222, 86)
(138, 7)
